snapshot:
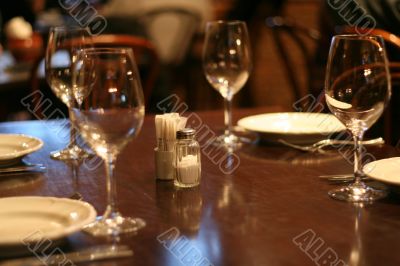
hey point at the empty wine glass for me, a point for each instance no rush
(109, 117)
(62, 46)
(227, 65)
(357, 88)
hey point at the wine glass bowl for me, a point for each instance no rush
(227, 65)
(62, 46)
(357, 89)
(110, 116)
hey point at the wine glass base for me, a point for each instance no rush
(116, 225)
(357, 193)
(230, 142)
(70, 153)
(236, 139)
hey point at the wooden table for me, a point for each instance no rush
(272, 210)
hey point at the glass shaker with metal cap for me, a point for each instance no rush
(187, 163)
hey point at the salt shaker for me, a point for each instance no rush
(187, 163)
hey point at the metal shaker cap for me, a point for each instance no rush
(185, 133)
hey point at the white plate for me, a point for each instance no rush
(27, 220)
(14, 146)
(385, 170)
(293, 127)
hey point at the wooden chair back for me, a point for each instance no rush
(298, 66)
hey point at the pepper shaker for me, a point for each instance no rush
(187, 162)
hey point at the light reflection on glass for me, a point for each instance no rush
(112, 90)
(367, 72)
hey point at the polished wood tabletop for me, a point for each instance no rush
(263, 205)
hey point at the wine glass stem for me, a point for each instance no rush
(111, 188)
(72, 140)
(358, 158)
(228, 116)
(74, 168)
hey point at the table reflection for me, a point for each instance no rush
(356, 253)
(180, 207)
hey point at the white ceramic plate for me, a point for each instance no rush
(385, 170)
(14, 146)
(293, 127)
(27, 220)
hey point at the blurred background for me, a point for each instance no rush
(290, 42)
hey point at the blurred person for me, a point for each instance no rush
(170, 30)
(166, 30)
(128, 7)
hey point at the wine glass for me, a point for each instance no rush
(227, 65)
(357, 89)
(109, 117)
(62, 46)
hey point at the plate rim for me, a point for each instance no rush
(377, 177)
(24, 152)
(240, 123)
(65, 231)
